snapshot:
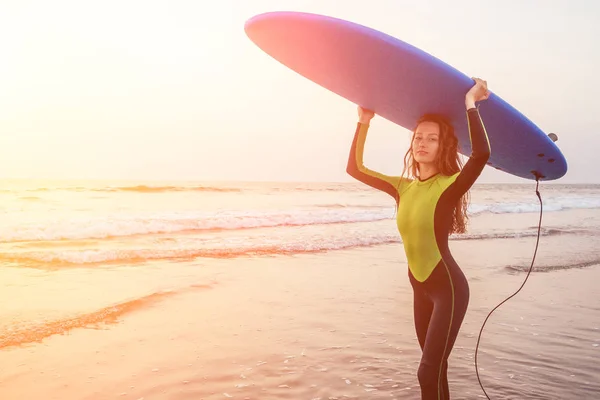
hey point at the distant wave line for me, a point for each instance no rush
(556, 267)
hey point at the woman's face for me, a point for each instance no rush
(426, 142)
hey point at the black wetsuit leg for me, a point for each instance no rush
(440, 304)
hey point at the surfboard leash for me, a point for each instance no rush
(537, 192)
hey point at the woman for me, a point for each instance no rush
(431, 205)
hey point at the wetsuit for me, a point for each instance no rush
(424, 219)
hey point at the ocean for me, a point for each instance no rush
(78, 255)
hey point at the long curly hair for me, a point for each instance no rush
(448, 162)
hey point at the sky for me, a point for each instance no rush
(175, 90)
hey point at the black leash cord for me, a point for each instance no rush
(537, 192)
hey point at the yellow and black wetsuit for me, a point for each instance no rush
(424, 219)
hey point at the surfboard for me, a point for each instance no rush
(400, 82)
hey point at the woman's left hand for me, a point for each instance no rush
(478, 92)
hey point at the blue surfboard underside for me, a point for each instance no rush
(400, 83)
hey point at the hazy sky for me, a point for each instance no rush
(176, 90)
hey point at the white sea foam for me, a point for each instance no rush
(120, 225)
(229, 246)
(549, 204)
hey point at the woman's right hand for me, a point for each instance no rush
(364, 115)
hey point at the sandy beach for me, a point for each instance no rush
(332, 325)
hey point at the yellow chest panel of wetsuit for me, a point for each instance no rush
(416, 223)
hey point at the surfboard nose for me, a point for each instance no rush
(255, 23)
